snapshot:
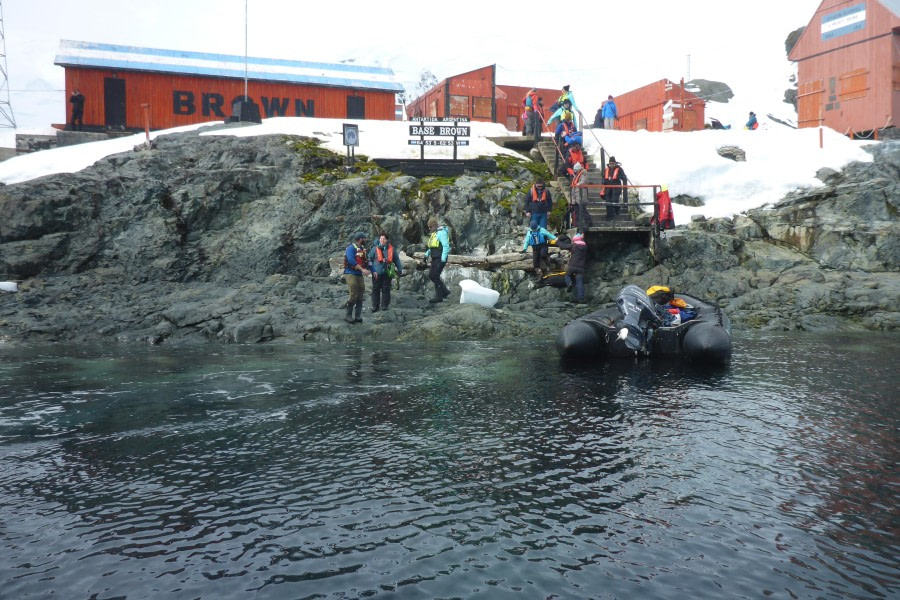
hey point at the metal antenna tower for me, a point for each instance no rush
(7, 119)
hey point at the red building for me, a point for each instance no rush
(183, 88)
(660, 106)
(476, 95)
(848, 66)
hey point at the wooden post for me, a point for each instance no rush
(146, 108)
(821, 142)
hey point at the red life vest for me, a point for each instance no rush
(577, 156)
(534, 197)
(614, 176)
(577, 178)
(379, 254)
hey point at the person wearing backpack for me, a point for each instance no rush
(355, 266)
(438, 250)
(531, 114)
(538, 202)
(562, 113)
(566, 133)
(386, 266)
(539, 240)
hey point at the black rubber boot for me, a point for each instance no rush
(358, 317)
(349, 316)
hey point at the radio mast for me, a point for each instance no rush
(7, 119)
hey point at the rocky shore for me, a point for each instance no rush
(238, 239)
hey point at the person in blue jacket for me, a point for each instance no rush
(567, 96)
(381, 256)
(539, 239)
(563, 112)
(610, 113)
(355, 266)
(752, 123)
(438, 250)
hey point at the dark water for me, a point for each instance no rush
(463, 470)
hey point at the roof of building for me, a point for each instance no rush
(110, 56)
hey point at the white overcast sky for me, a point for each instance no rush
(598, 48)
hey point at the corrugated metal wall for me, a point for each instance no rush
(465, 95)
(643, 108)
(183, 100)
(849, 67)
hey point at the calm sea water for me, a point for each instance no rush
(459, 470)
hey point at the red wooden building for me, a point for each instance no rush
(476, 95)
(184, 88)
(848, 66)
(660, 106)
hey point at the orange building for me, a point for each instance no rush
(183, 88)
(660, 106)
(476, 95)
(848, 66)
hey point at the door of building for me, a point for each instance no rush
(356, 107)
(114, 102)
(810, 103)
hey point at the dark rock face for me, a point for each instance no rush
(791, 40)
(234, 239)
(712, 90)
(732, 153)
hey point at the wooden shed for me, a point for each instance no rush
(476, 95)
(183, 88)
(661, 106)
(848, 66)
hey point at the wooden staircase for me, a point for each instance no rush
(631, 222)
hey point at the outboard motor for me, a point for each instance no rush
(639, 318)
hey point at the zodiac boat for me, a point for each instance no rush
(635, 326)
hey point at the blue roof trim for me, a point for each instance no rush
(236, 74)
(355, 75)
(228, 58)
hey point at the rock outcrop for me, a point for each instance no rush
(238, 239)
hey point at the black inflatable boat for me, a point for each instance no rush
(636, 325)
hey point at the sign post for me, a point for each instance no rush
(351, 141)
(439, 127)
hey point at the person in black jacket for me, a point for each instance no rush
(614, 175)
(576, 267)
(77, 101)
(538, 203)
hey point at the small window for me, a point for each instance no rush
(459, 106)
(640, 124)
(854, 84)
(481, 107)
